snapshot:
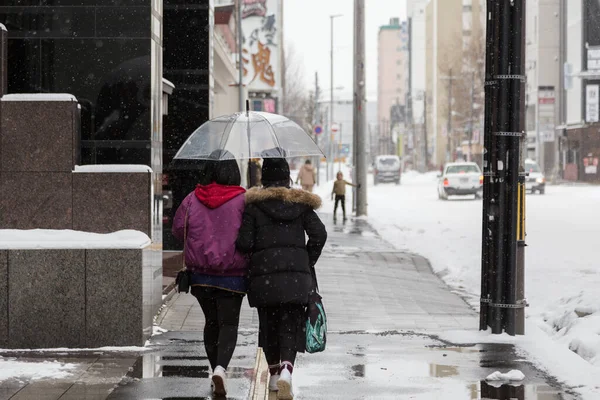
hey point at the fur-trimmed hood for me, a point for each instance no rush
(282, 203)
(298, 196)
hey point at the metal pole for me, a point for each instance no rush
(503, 218)
(359, 107)
(471, 117)
(426, 150)
(240, 56)
(330, 161)
(340, 148)
(489, 207)
(317, 121)
(449, 122)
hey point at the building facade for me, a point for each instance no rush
(110, 58)
(392, 82)
(417, 81)
(579, 142)
(543, 80)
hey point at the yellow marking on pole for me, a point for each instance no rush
(521, 212)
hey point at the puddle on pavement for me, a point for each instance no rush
(412, 372)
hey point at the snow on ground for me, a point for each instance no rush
(562, 274)
(33, 239)
(11, 368)
(512, 375)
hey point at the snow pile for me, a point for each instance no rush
(35, 239)
(39, 97)
(513, 375)
(575, 322)
(157, 330)
(12, 368)
(116, 168)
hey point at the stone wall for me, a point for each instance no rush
(77, 298)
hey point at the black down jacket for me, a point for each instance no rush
(273, 232)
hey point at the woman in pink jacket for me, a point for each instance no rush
(208, 222)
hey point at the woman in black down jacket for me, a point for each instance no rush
(273, 232)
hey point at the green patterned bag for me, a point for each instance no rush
(316, 321)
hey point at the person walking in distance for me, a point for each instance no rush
(207, 222)
(273, 232)
(339, 191)
(307, 176)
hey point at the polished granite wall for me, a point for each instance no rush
(108, 54)
(3, 299)
(94, 299)
(37, 154)
(188, 64)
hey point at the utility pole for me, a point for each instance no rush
(426, 150)
(340, 148)
(359, 120)
(471, 115)
(240, 57)
(503, 226)
(449, 122)
(330, 161)
(316, 121)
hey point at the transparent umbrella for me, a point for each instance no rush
(248, 135)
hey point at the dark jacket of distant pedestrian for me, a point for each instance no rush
(273, 232)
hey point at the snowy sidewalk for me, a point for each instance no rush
(386, 311)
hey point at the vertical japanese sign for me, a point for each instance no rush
(591, 103)
(261, 27)
(546, 102)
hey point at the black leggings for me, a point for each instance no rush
(222, 313)
(340, 199)
(280, 332)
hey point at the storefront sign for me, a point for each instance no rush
(546, 104)
(590, 165)
(593, 59)
(591, 103)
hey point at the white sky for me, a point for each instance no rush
(307, 28)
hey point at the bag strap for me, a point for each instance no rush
(313, 272)
(185, 222)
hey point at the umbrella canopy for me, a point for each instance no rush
(248, 135)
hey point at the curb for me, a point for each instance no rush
(260, 387)
(169, 292)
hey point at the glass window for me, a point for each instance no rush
(532, 167)
(462, 169)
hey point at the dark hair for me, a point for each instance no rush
(307, 162)
(275, 173)
(226, 172)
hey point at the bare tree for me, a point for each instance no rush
(296, 101)
(465, 70)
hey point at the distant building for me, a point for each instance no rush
(417, 80)
(543, 80)
(579, 95)
(451, 30)
(392, 79)
(344, 117)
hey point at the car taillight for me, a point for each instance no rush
(481, 180)
(446, 182)
(165, 180)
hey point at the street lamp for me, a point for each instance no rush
(331, 18)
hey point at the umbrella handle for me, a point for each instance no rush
(247, 106)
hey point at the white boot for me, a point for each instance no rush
(284, 384)
(273, 383)
(218, 381)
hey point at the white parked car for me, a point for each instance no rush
(535, 181)
(460, 179)
(387, 169)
